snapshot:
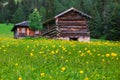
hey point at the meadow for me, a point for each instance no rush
(47, 59)
(5, 30)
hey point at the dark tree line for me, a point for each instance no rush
(105, 22)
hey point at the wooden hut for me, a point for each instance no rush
(22, 30)
(71, 24)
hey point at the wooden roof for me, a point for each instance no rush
(21, 24)
(71, 9)
(76, 10)
(24, 23)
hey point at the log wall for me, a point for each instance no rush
(28, 32)
(71, 25)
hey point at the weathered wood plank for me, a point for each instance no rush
(73, 27)
(73, 34)
(71, 24)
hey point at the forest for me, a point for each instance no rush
(105, 22)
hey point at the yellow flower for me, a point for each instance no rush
(57, 51)
(63, 69)
(52, 52)
(62, 57)
(88, 51)
(86, 78)
(42, 74)
(31, 54)
(83, 54)
(107, 55)
(103, 60)
(98, 54)
(32, 49)
(85, 48)
(27, 46)
(87, 62)
(81, 71)
(113, 54)
(4, 50)
(20, 78)
(16, 64)
(66, 60)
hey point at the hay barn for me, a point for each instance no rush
(71, 24)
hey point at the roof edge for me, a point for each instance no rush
(72, 8)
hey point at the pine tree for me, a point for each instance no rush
(35, 20)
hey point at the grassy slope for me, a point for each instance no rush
(42, 59)
(5, 30)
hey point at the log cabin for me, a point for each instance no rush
(71, 24)
(22, 30)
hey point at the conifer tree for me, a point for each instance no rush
(35, 20)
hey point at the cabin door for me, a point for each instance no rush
(74, 38)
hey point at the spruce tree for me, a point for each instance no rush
(35, 20)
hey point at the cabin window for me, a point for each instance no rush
(36, 32)
(23, 30)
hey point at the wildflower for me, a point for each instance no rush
(42, 74)
(113, 54)
(52, 52)
(83, 54)
(16, 64)
(88, 51)
(63, 69)
(4, 50)
(27, 46)
(86, 78)
(94, 50)
(53, 46)
(98, 54)
(85, 48)
(66, 60)
(103, 56)
(50, 77)
(62, 57)
(41, 52)
(69, 53)
(20, 78)
(107, 55)
(103, 60)
(57, 51)
(33, 50)
(3, 46)
(79, 51)
(117, 58)
(31, 54)
(81, 71)
(87, 62)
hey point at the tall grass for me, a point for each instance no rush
(46, 59)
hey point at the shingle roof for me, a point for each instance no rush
(24, 23)
(21, 24)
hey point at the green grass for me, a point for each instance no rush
(5, 30)
(45, 59)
